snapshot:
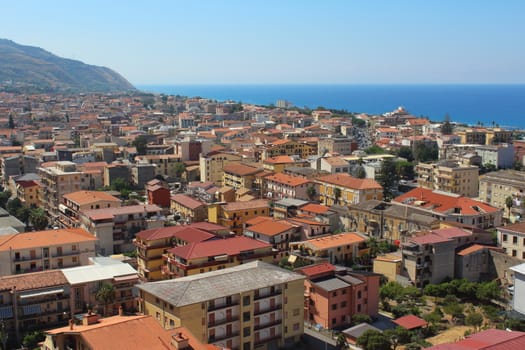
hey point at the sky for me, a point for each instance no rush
(281, 41)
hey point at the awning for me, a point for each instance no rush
(62, 208)
(292, 258)
(6, 312)
(126, 278)
(221, 257)
(41, 293)
(31, 309)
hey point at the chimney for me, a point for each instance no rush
(120, 311)
(71, 324)
(179, 341)
(89, 318)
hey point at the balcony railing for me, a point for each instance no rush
(226, 320)
(265, 340)
(267, 295)
(267, 310)
(266, 325)
(222, 305)
(223, 337)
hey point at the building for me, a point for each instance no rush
(388, 220)
(490, 339)
(10, 222)
(452, 207)
(234, 215)
(121, 332)
(286, 147)
(474, 262)
(141, 173)
(115, 228)
(76, 202)
(238, 175)
(116, 171)
(211, 255)
(336, 249)
(152, 243)
(518, 300)
(333, 296)
(512, 239)
(332, 165)
(254, 305)
(158, 193)
(278, 233)
(165, 164)
(45, 250)
(495, 187)
(212, 165)
(388, 265)
(449, 176)
(336, 145)
(343, 189)
(281, 186)
(188, 208)
(85, 281)
(34, 300)
(28, 192)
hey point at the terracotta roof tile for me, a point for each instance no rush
(35, 280)
(271, 228)
(230, 246)
(289, 180)
(45, 238)
(86, 197)
(258, 203)
(333, 241)
(347, 181)
(410, 322)
(187, 201)
(240, 169)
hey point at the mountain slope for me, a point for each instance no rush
(32, 68)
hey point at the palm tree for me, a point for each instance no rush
(509, 203)
(105, 295)
(311, 192)
(337, 195)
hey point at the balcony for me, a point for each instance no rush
(266, 325)
(61, 254)
(222, 305)
(266, 340)
(223, 337)
(226, 320)
(267, 310)
(26, 258)
(273, 293)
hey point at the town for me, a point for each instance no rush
(172, 222)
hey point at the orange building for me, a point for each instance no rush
(333, 296)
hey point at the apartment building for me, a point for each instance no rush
(33, 300)
(28, 192)
(452, 207)
(286, 147)
(336, 145)
(343, 189)
(251, 306)
(239, 175)
(449, 176)
(388, 220)
(214, 254)
(212, 165)
(482, 136)
(336, 249)
(45, 250)
(76, 202)
(512, 239)
(333, 297)
(151, 244)
(234, 215)
(58, 180)
(495, 187)
(278, 233)
(277, 164)
(282, 185)
(188, 208)
(115, 228)
(85, 281)
(165, 164)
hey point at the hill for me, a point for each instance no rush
(32, 69)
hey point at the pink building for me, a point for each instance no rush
(333, 295)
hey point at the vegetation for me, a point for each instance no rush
(337, 194)
(373, 340)
(140, 144)
(388, 179)
(105, 295)
(38, 219)
(447, 128)
(424, 152)
(311, 192)
(31, 339)
(4, 197)
(374, 149)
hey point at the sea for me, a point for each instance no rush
(489, 105)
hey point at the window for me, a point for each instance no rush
(74, 259)
(514, 240)
(157, 315)
(296, 312)
(296, 326)
(514, 252)
(334, 306)
(358, 307)
(505, 238)
(74, 247)
(358, 294)
(247, 346)
(334, 321)
(343, 291)
(246, 316)
(334, 294)
(246, 332)
(343, 304)
(246, 300)
(172, 323)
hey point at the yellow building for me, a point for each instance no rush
(343, 189)
(76, 202)
(495, 187)
(211, 255)
(278, 163)
(212, 165)
(482, 136)
(251, 306)
(189, 209)
(237, 175)
(28, 192)
(336, 249)
(388, 265)
(165, 164)
(288, 147)
(449, 176)
(234, 215)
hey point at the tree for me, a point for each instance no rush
(358, 171)
(509, 203)
(119, 184)
(105, 295)
(433, 317)
(391, 290)
(447, 128)
(375, 149)
(474, 319)
(4, 335)
(32, 339)
(140, 144)
(13, 205)
(337, 195)
(388, 179)
(405, 152)
(4, 197)
(179, 169)
(373, 340)
(488, 291)
(38, 219)
(341, 342)
(405, 170)
(11, 122)
(361, 318)
(424, 152)
(311, 192)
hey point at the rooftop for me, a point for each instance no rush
(45, 238)
(348, 181)
(228, 246)
(86, 197)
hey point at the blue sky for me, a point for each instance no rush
(284, 41)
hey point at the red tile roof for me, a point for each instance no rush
(45, 238)
(347, 181)
(317, 269)
(240, 169)
(490, 339)
(431, 238)
(35, 280)
(315, 208)
(410, 322)
(280, 160)
(441, 202)
(201, 231)
(86, 197)
(518, 227)
(229, 246)
(253, 204)
(289, 180)
(475, 248)
(271, 228)
(186, 201)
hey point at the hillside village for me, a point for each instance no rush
(190, 223)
